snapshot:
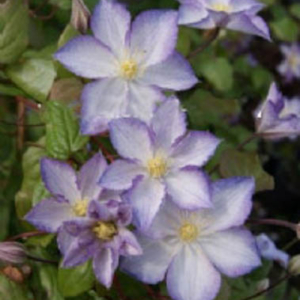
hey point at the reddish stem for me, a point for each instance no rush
(26, 235)
(28, 103)
(275, 222)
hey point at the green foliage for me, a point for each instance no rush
(14, 291)
(285, 29)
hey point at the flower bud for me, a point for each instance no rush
(12, 253)
(263, 285)
(294, 265)
(80, 16)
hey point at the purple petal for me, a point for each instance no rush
(233, 252)
(77, 226)
(64, 240)
(195, 149)
(192, 276)
(110, 24)
(98, 111)
(60, 179)
(49, 215)
(124, 215)
(174, 73)
(120, 175)
(89, 176)
(129, 245)
(132, 139)
(248, 6)
(189, 188)
(104, 211)
(87, 57)
(154, 35)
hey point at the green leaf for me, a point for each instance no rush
(39, 193)
(62, 131)
(10, 90)
(235, 163)
(11, 290)
(74, 281)
(184, 41)
(35, 76)
(285, 29)
(295, 10)
(62, 4)
(13, 30)
(261, 79)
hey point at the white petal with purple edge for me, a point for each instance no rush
(233, 252)
(174, 73)
(191, 276)
(87, 57)
(153, 36)
(60, 179)
(48, 215)
(191, 13)
(64, 240)
(248, 6)
(189, 188)
(195, 149)
(110, 23)
(129, 244)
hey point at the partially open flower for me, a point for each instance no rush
(12, 253)
(80, 16)
(294, 265)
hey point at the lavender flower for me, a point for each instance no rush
(278, 117)
(100, 236)
(237, 15)
(12, 253)
(132, 64)
(290, 66)
(160, 159)
(192, 248)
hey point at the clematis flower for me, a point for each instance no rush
(71, 192)
(240, 15)
(131, 64)
(12, 253)
(290, 66)
(158, 160)
(277, 117)
(101, 236)
(191, 249)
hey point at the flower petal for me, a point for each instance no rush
(102, 101)
(87, 57)
(153, 36)
(60, 179)
(49, 215)
(64, 240)
(129, 245)
(110, 24)
(191, 276)
(233, 252)
(132, 139)
(189, 188)
(194, 149)
(89, 176)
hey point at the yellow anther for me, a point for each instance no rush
(221, 7)
(105, 230)
(157, 167)
(188, 232)
(293, 60)
(80, 207)
(129, 69)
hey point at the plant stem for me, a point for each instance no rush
(42, 260)
(275, 222)
(25, 235)
(246, 141)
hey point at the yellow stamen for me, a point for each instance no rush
(157, 167)
(293, 60)
(80, 207)
(188, 232)
(129, 69)
(105, 230)
(221, 7)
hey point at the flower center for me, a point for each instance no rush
(129, 69)
(80, 207)
(293, 60)
(157, 167)
(105, 230)
(221, 7)
(188, 232)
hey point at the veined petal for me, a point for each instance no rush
(153, 36)
(233, 252)
(49, 215)
(60, 179)
(174, 73)
(120, 175)
(132, 139)
(89, 176)
(64, 240)
(248, 6)
(110, 24)
(189, 188)
(194, 149)
(191, 276)
(87, 57)
(129, 244)
(102, 101)
(192, 13)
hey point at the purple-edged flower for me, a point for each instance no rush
(12, 253)
(290, 66)
(160, 159)
(191, 249)
(132, 63)
(100, 236)
(71, 192)
(277, 117)
(240, 15)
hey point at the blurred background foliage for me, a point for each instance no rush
(39, 102)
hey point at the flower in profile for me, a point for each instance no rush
(101, 236)
(160, 159)
(240, 15)
(71, 192)
(290, 66)
(277, 117)
(191, 249)
(12, 253)
(131, 64)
